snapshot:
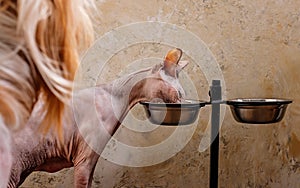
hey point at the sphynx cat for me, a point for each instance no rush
(94, 118)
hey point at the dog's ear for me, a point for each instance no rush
(171, 61)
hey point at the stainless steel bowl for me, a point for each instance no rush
(258, 111)
(173, 113)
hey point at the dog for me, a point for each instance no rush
(39, 54)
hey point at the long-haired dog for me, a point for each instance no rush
(39, 44)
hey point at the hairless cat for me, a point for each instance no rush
(33, 151)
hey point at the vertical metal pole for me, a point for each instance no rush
(215, 97)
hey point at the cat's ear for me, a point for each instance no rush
(171, 61)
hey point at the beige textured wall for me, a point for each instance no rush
(256, 44)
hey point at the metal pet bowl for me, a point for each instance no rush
(173, 113)
(258, 111)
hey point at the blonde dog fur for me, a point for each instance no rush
(39, 45)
